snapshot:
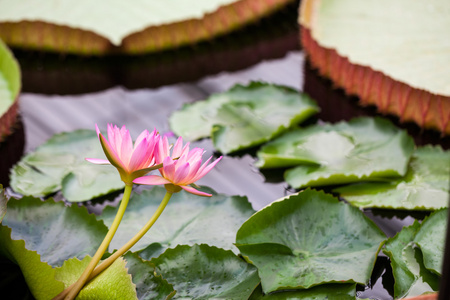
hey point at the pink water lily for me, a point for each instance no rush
(180, 169)
(132, 161)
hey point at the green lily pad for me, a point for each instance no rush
(321, 292)
(54, 231)
(187, 219)
(149, 286)
(113, 283)
(363, 149)
(411, 278)
(3, 203)
(424, 187)
(431, 240)
(205, 272)
(243, 116)
(309, 239)
(59, 164)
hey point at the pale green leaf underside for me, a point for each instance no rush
(206, 272)
(60, 164)
(412, 49)
(9, 78)
(244, 116)
(424, 187)
(309, 239)
(363, 149)
(187, 219)
(321, 292)
(118, 20)
(113, 283)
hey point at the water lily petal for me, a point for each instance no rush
(151, 180)
(98, 161)
(194, 191)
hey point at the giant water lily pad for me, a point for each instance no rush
(59, 164)
(9, 90)
(359, 150)
(309, 239)
(138, 27)
(205, 272)
(244, 116)
(389, 58)
(424, 187)
(187, 219)
(411, 278)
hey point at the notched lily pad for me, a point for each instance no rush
(424, 187)
(206, 272)
(309, 239)
(363, 149)
(187, 219)
(59, 164)
(243, 116)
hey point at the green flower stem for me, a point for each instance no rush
(78, 285)
(107, 262)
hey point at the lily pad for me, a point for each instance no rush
(149, 286)
(321, 292)
(363, 149)
(411, 278)
(3, 203)
(59, 164)
(431, 240)
(113, 283)
(187, 219)
(206, 272)
(309, 239)
(243, 116)
(424, 187)
(9, 90)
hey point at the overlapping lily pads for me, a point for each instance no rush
(416, 255)
(424, 187)
(59, 164)
(309, 239)
(187, 219)
(359, 150)
(205, 272)
(321, 292)
(243, 116)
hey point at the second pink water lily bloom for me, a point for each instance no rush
(132, 161)
(180, 169)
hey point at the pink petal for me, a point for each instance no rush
(139, 157)
(98, 161)
(151, 180)
(143, 136)
(111, 154)
(126, 148)
(178, 148)
(205, 170)
(169, 167)
(181, 174)
(194, 191)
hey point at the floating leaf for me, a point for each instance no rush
(411, 278)
(321, 292)
(187, 219)
(362, 149)
(431, 240)
(60, 164)
(148, 285)
(39, 275)
(205, 272)
(140, 27)
(309, 239)
(424, 187)
(54, 231)
(243, 116)
(399, 70)
(3, 203)
(113, 283)
(9, 90)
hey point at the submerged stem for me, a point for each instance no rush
(71, 292)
